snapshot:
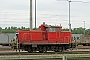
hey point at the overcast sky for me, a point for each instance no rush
(54, 12)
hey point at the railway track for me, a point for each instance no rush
(44, 56)
(50, 55)
(47, 53)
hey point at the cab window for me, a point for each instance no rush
(54, 29)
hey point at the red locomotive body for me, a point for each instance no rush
(47, 38)
(25, 37)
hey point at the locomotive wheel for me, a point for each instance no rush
(30, 50)
(56, 49)
(16, 50)
(45, 49)
(19, 50)
(41, 49)
(62, 50)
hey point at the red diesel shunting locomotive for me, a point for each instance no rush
(48, 38)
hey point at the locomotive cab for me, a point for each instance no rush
(49, 28)
(51, 33)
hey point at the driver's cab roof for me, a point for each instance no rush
(49, 26)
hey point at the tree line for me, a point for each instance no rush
(79, 30)
(12, 29)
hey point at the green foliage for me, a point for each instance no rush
(35, 28)
(65, 29)
(12, 29)
(87, 31)
(79, 30)
(0, 29)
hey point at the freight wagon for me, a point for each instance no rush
(81, 39)
(5, 39)
(48, 38)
